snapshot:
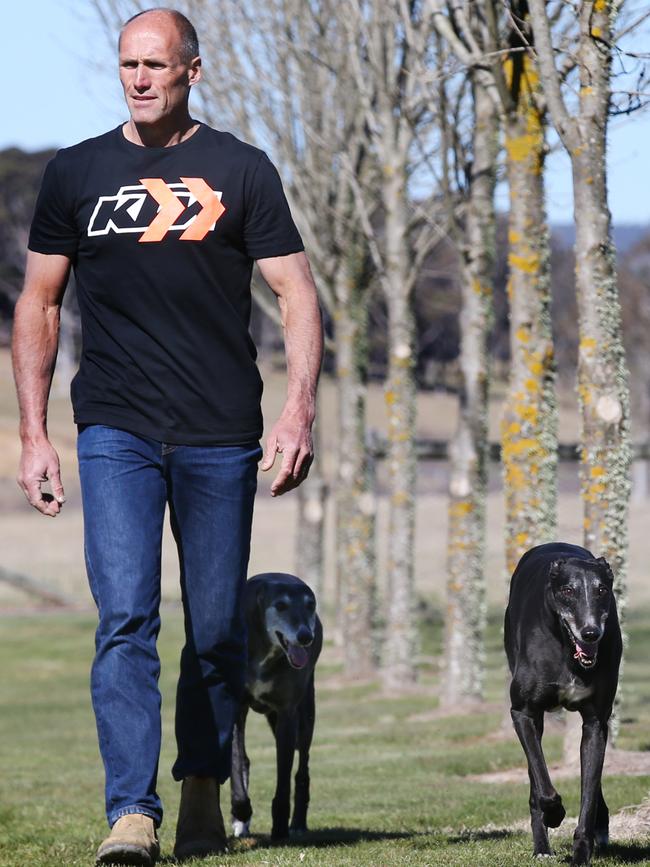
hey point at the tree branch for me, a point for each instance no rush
(564, 124)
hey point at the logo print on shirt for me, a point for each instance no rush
(163, 204)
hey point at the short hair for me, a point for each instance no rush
(186, 30)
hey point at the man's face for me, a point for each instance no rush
(155, 77)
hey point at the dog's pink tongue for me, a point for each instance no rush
(298, 656)
(585, 649)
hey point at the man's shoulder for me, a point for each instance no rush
(86, 147)
(230, 143)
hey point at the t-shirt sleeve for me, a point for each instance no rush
(53, 227)
(269, 229)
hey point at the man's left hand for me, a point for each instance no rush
(290, 437)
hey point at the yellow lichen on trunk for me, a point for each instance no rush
(529, 422)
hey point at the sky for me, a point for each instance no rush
(60, 87)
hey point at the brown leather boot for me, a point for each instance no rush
(200, 830)
(132, 840)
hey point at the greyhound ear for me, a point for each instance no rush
(607, 571)
(259, 598)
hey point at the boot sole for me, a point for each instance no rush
(125, 854)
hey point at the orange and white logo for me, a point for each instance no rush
(155, 208)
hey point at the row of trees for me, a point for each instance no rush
(390, 121)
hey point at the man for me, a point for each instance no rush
(162, 219)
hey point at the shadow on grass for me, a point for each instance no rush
(486, 834)
(625, 853)
(319, 839)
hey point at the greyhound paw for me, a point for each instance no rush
(297, 832)
(241, 829)
(582, 850)
(601, 838)
(553, 811)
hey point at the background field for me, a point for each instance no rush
(394, 780)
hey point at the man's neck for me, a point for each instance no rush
(149, 135)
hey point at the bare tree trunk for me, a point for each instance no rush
(463, 675)
(355, 496)
(399, 658)
(67, 361)
(310, 530)
(387, 49)
(602, 371)
(529, 425)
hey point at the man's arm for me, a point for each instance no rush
(34, 346)
(291, 280)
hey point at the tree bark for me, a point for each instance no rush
(310, 548)
(355, 495)
(463, 667)
(387, 44)
(529, 424)
(602, 371)
(399, 658)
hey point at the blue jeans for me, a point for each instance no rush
(126, 482)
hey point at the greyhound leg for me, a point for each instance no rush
(306, 720)
(601, 831)
(285, 746)
(592, 756)
(545, 803)
(240, 803)
(538, 827)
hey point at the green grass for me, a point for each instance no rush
(389, 778)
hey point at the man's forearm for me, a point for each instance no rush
(34, 349)
(303, 339)
(291, 280)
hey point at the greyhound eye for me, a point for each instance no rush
(281, 606)
(568, 592)
(602, 590)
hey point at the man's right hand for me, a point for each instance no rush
(39, 463)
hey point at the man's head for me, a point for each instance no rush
(159, 63)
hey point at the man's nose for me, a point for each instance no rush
(142, 81)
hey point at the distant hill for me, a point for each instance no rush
(625, 235)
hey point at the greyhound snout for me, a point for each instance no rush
(591, 633)
(304, 636)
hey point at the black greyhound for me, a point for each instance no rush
(563, 643)
(285, 638)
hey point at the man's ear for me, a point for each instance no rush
(194, 73)
(606, 571)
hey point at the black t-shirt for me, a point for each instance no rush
(162, 242)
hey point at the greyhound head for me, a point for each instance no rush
(289, 615)
(582, 595)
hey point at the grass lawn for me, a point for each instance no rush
(389, 777)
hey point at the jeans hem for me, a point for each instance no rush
(130, 811)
